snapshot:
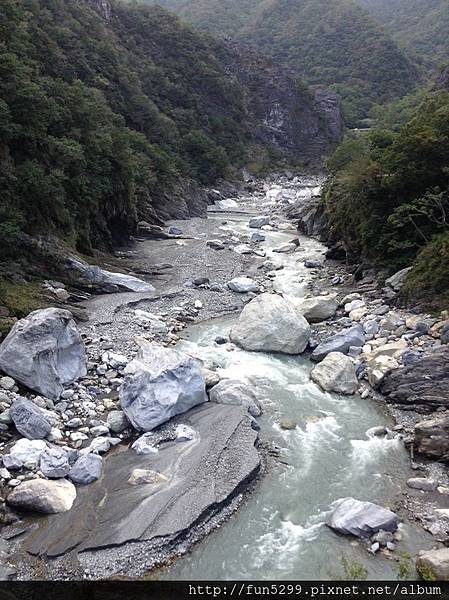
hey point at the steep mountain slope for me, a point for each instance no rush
(421, 25)
(328, 42)
(112, 113)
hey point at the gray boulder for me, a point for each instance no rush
(54, 463)
(270, 323)
(434, 564)
(29, 419)
(86, 469)
(44, 351)
(146, 444)
(397, 280)
(340, 342)
(432, 438)
(43, 496)
(235, 393)
(362, 519)
(117, 421)
(160, 383)
(316, 309)
(422, 483)
(243, 285)
(258, 222)
(336, 373)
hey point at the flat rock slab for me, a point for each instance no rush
(202, 474)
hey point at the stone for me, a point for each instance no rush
(154, 323)
(43, 496)
(371, 327)
(99, 430)
(235, 393)
(258, 222)
(145, 476)
(340, 342)
(23, 452)
(257, 237)
(379, 367)
(106, 281)
(316, 309)
(29, 419)
(145, 444)
(354, 305)
(227, 204)
(242, 285)
(44, 351)
(361, 519)
(313, 264)
(433, 565)
(444, 337)
(422, 483)
(117, 421)
(199, 281)
(288, 424)
(243, 249)
(86, 469)
(54, 463)
(397, 280)
(7, 383)
(336, 373)
(431, 438)
(270, 323)
(215, 244)
(159, 384)
(175, 231)
(285, 248)
(383, 537)
(425, 382)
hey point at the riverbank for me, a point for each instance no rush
(195, 266)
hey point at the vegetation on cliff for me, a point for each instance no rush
(388, 198)
(333, 43)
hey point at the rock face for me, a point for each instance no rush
(336, 373)
(29, 419)
(160, 383)
(362, 519)
(202, 474)
(340, 342)
(270, 323)
(106, 281)
(434, 564)
(44, 351)
(235, 393)
(43, 496)
(424, 382)
(432, 438)
(317, 309)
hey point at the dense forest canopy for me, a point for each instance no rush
(334, 43)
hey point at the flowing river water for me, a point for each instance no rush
(280, 532)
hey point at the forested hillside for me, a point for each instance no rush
(422, 26)
(388, 198)
(333, 43)
(105, 114)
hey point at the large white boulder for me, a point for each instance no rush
(43, 496)
(362, 519)
(270, 323)
(336, 373)
(242, 285)
(316, 309)
(44, 351)
(160, 383)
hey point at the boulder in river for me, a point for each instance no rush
(336, 373)
(432, 438)
(243, 285)
(29, 419)
(160, 383)
(318, 308)
(433, 565)
(258, 222)
(43, 496)
(235, 393)
(340, 342)
(361, 519)
(270, 323)
(44, 351)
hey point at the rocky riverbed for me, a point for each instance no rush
(125, 503)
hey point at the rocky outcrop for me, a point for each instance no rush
(362, 519)
(160, 384)
(43, 496)
(44, 352)
(336, 373)
(426, 382)
(270, 323)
